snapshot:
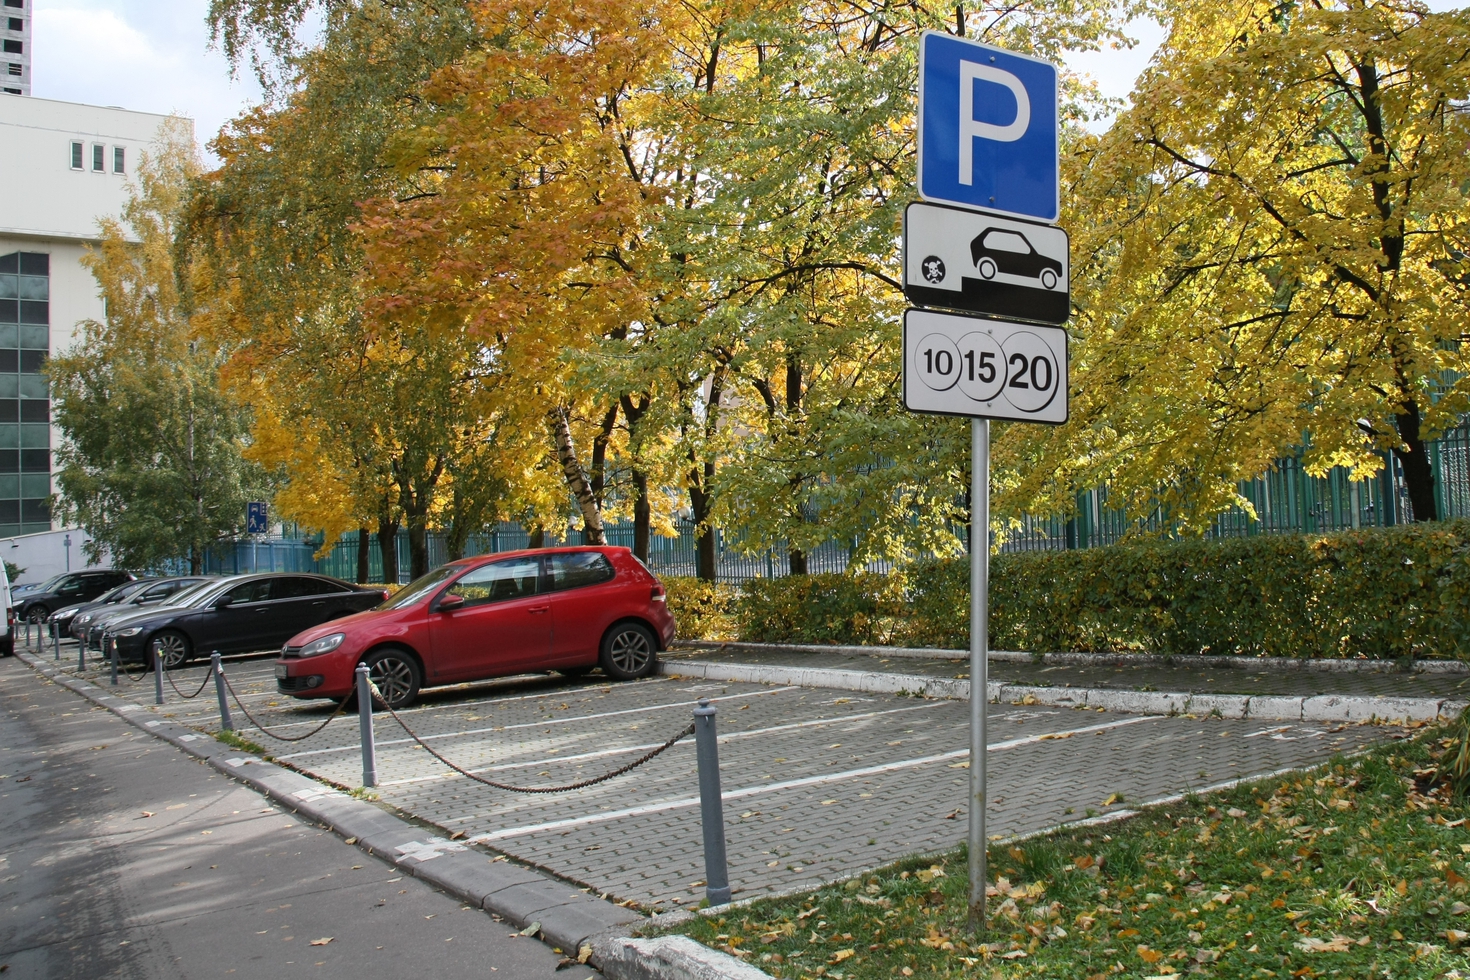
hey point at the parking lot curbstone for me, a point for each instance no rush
(1098, 659)
(1333, 707)
(669, 958)
(1351, 708)
(1218, 705)
(1450, 710)
(1272, 708)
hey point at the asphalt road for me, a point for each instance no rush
(121, 857)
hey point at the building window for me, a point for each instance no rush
(99, 158)
(14, 69)
(17, 25)
(18, 4)
(12, 91)
(14, 47)
(76, 154)
(119, 158)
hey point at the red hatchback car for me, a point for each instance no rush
(563, 609)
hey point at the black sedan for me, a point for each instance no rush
(67, 589)
(122, 601)
(237, 615)
(62, 620)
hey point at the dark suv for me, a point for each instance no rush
(67, 589)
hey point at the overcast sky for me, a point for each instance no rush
(154, 56)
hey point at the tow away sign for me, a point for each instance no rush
(969, 260)
(979, 368)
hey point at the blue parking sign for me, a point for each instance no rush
(987, 128)
(256, 518)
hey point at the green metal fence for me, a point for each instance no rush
(1286, 500)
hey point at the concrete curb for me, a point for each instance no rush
(1284, 664)
(568, 917)
(1263, 708)
(670, 958)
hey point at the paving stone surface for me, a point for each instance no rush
(1197, 680)
(818, 784)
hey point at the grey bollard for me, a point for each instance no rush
(81, 650)
(711, 805)
(225, 724)
(157, 674)
(112, 658)
(55, 641)
(365, 727)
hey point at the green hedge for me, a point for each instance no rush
(1381, 592)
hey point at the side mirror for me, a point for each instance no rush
(224, 601)
(451, 602)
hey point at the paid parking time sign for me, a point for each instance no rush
(984, 240)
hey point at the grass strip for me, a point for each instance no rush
(1355, 869)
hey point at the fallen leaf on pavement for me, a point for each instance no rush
(147, 813)
(322, 941)
(531, 929)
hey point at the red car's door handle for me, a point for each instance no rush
(539, 609)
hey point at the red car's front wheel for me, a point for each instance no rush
(395, 673)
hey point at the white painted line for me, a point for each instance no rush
(532, 724)
(733, 736)
(675, 804)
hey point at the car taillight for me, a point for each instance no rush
(387, 594)
(10, 617)
(658, 594)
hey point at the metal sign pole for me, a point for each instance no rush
(979, 658)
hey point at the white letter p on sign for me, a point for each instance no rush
(970, 128)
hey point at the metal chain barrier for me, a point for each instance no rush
(158, 659)
(281, 738)
(142, 672)
(378, 697)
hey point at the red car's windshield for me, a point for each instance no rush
(422, 586)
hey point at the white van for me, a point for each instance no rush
(7, 642)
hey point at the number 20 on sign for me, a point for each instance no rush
(979, 368)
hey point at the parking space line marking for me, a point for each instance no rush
(535, 724)
(691, 801)
(562, 692)
(732, 736)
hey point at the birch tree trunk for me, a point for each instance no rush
(577, 482)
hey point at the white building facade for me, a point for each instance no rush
(66, 166)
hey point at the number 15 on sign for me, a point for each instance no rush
(968, 366)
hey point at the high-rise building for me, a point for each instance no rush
(63, 166)
(16, 40)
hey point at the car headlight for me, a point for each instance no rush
(324, 645)
(130, 631)
(85, 619)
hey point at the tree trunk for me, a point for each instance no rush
(364, 567)
(797, 559)
(700, 505)
(634, 411)
(599, 455)
(537, 537)
(576, 477)
(1414, 458)
(642, 515)
(196, 561)
(388, 548)
(418, 547)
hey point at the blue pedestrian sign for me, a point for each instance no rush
(987, 128)
(256, 518)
